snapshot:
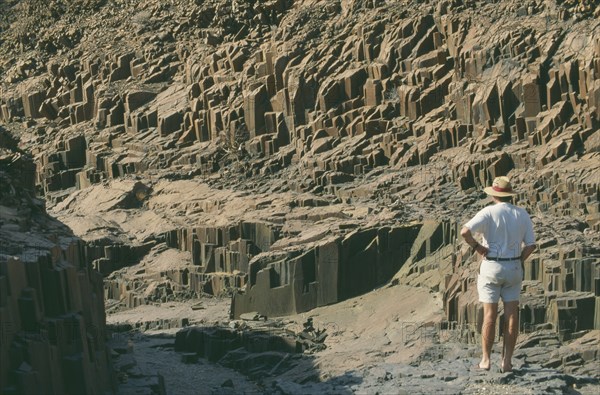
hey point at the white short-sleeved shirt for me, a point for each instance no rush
(504, 228)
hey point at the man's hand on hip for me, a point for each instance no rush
(466, 234)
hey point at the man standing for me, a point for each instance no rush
(508, 240)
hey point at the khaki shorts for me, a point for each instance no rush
(499, 280)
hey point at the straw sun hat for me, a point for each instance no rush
(500, 187)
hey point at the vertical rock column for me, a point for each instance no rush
(52, 325)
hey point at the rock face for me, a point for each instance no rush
(333, 270)
(52, 320)
(297, 154)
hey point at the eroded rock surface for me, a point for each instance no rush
(298, 154)
(52, 319)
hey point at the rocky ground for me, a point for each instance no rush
(374, 345)
(219, 161)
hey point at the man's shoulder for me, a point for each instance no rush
(521, 210)
(484, 211)
(524, 213)
(506, 208)
(495, 208)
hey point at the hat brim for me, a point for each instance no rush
(490, 191)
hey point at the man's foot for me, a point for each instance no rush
(482, 366)
(506, 367)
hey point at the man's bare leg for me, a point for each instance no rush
(511, 332)
(488, 329)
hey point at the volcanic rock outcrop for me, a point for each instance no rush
(52, 320)
(297, 154)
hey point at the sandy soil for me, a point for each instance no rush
(376, 327)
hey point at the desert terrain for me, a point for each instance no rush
(266, 196)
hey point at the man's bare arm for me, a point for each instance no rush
(466, 234)
(528, 250)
